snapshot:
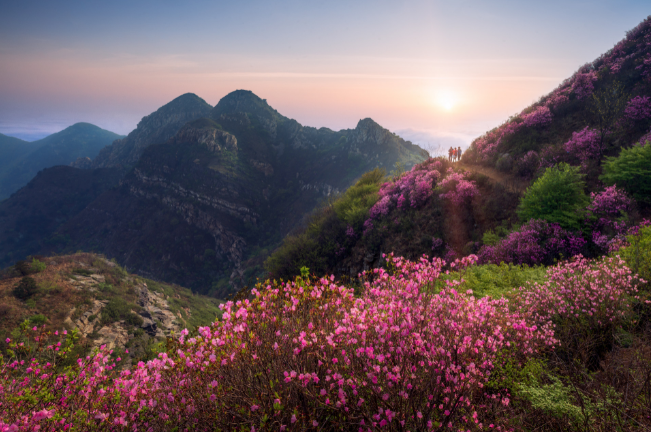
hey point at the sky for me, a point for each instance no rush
(438, 73)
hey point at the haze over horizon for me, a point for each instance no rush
(434, 73)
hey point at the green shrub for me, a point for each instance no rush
(556, 197)
(25, 289)
(105, 287)
(490, 238)
(37, 266)
(117, 309)
(38, 319)
(638, 254)
(631, 170)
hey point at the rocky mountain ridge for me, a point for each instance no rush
(203, 206)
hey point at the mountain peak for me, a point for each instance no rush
(245, 101)
(367, 123)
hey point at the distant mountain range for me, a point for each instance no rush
(21, 160)
(196, 195)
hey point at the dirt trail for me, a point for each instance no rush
(511, 183)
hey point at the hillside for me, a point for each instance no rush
(102, 301)
(30, 218)
(204, 207)
(595, 118)
(603, 107)
(19, 162)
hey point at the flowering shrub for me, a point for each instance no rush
(584, 145)
(536, 242)
(584, 300)
(583, 85)
(607, 215)
(456, 187)
(638, 108)
(299, 356)
(414, 187)
(541, 116)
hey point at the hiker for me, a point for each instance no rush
(450, 154)
(459, 153)
(454, 154)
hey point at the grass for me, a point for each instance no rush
(498, 280)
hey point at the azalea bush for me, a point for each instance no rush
(536, 242)
(607, 215)
(411, 353)
(585, 301)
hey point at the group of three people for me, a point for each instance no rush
(454, 154)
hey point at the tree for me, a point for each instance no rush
(606, 108)
(26, 288)
(557, 197)
(631, 170)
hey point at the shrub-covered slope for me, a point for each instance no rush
(603, 108)
(410, 349)
(98, 298)
(568, 175)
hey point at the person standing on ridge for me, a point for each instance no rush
(450, 154)
(459, 153)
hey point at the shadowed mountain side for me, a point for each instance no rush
(30, 217)
(19, 162)
(195, 208)
(156, 128)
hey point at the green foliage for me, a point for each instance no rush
(490, 238)
(37, 266)
(557, 196)
(558, 400)
(117, 309)
(25, 289)
(631, 170)
(352, 208)
(38, 320)
(497, 280)
(638, 254)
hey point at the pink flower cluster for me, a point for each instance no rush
(300, 356)
(584, 145)
(592, 294)
(457, 188)
(583, 84)
(607, 215)
(541, 116)
(638, 108)
(536, 242)
(608, 209)
(414, 187)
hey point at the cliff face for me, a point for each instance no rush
(157, 127)
(207, 204)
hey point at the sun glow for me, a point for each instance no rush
(447, 100)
